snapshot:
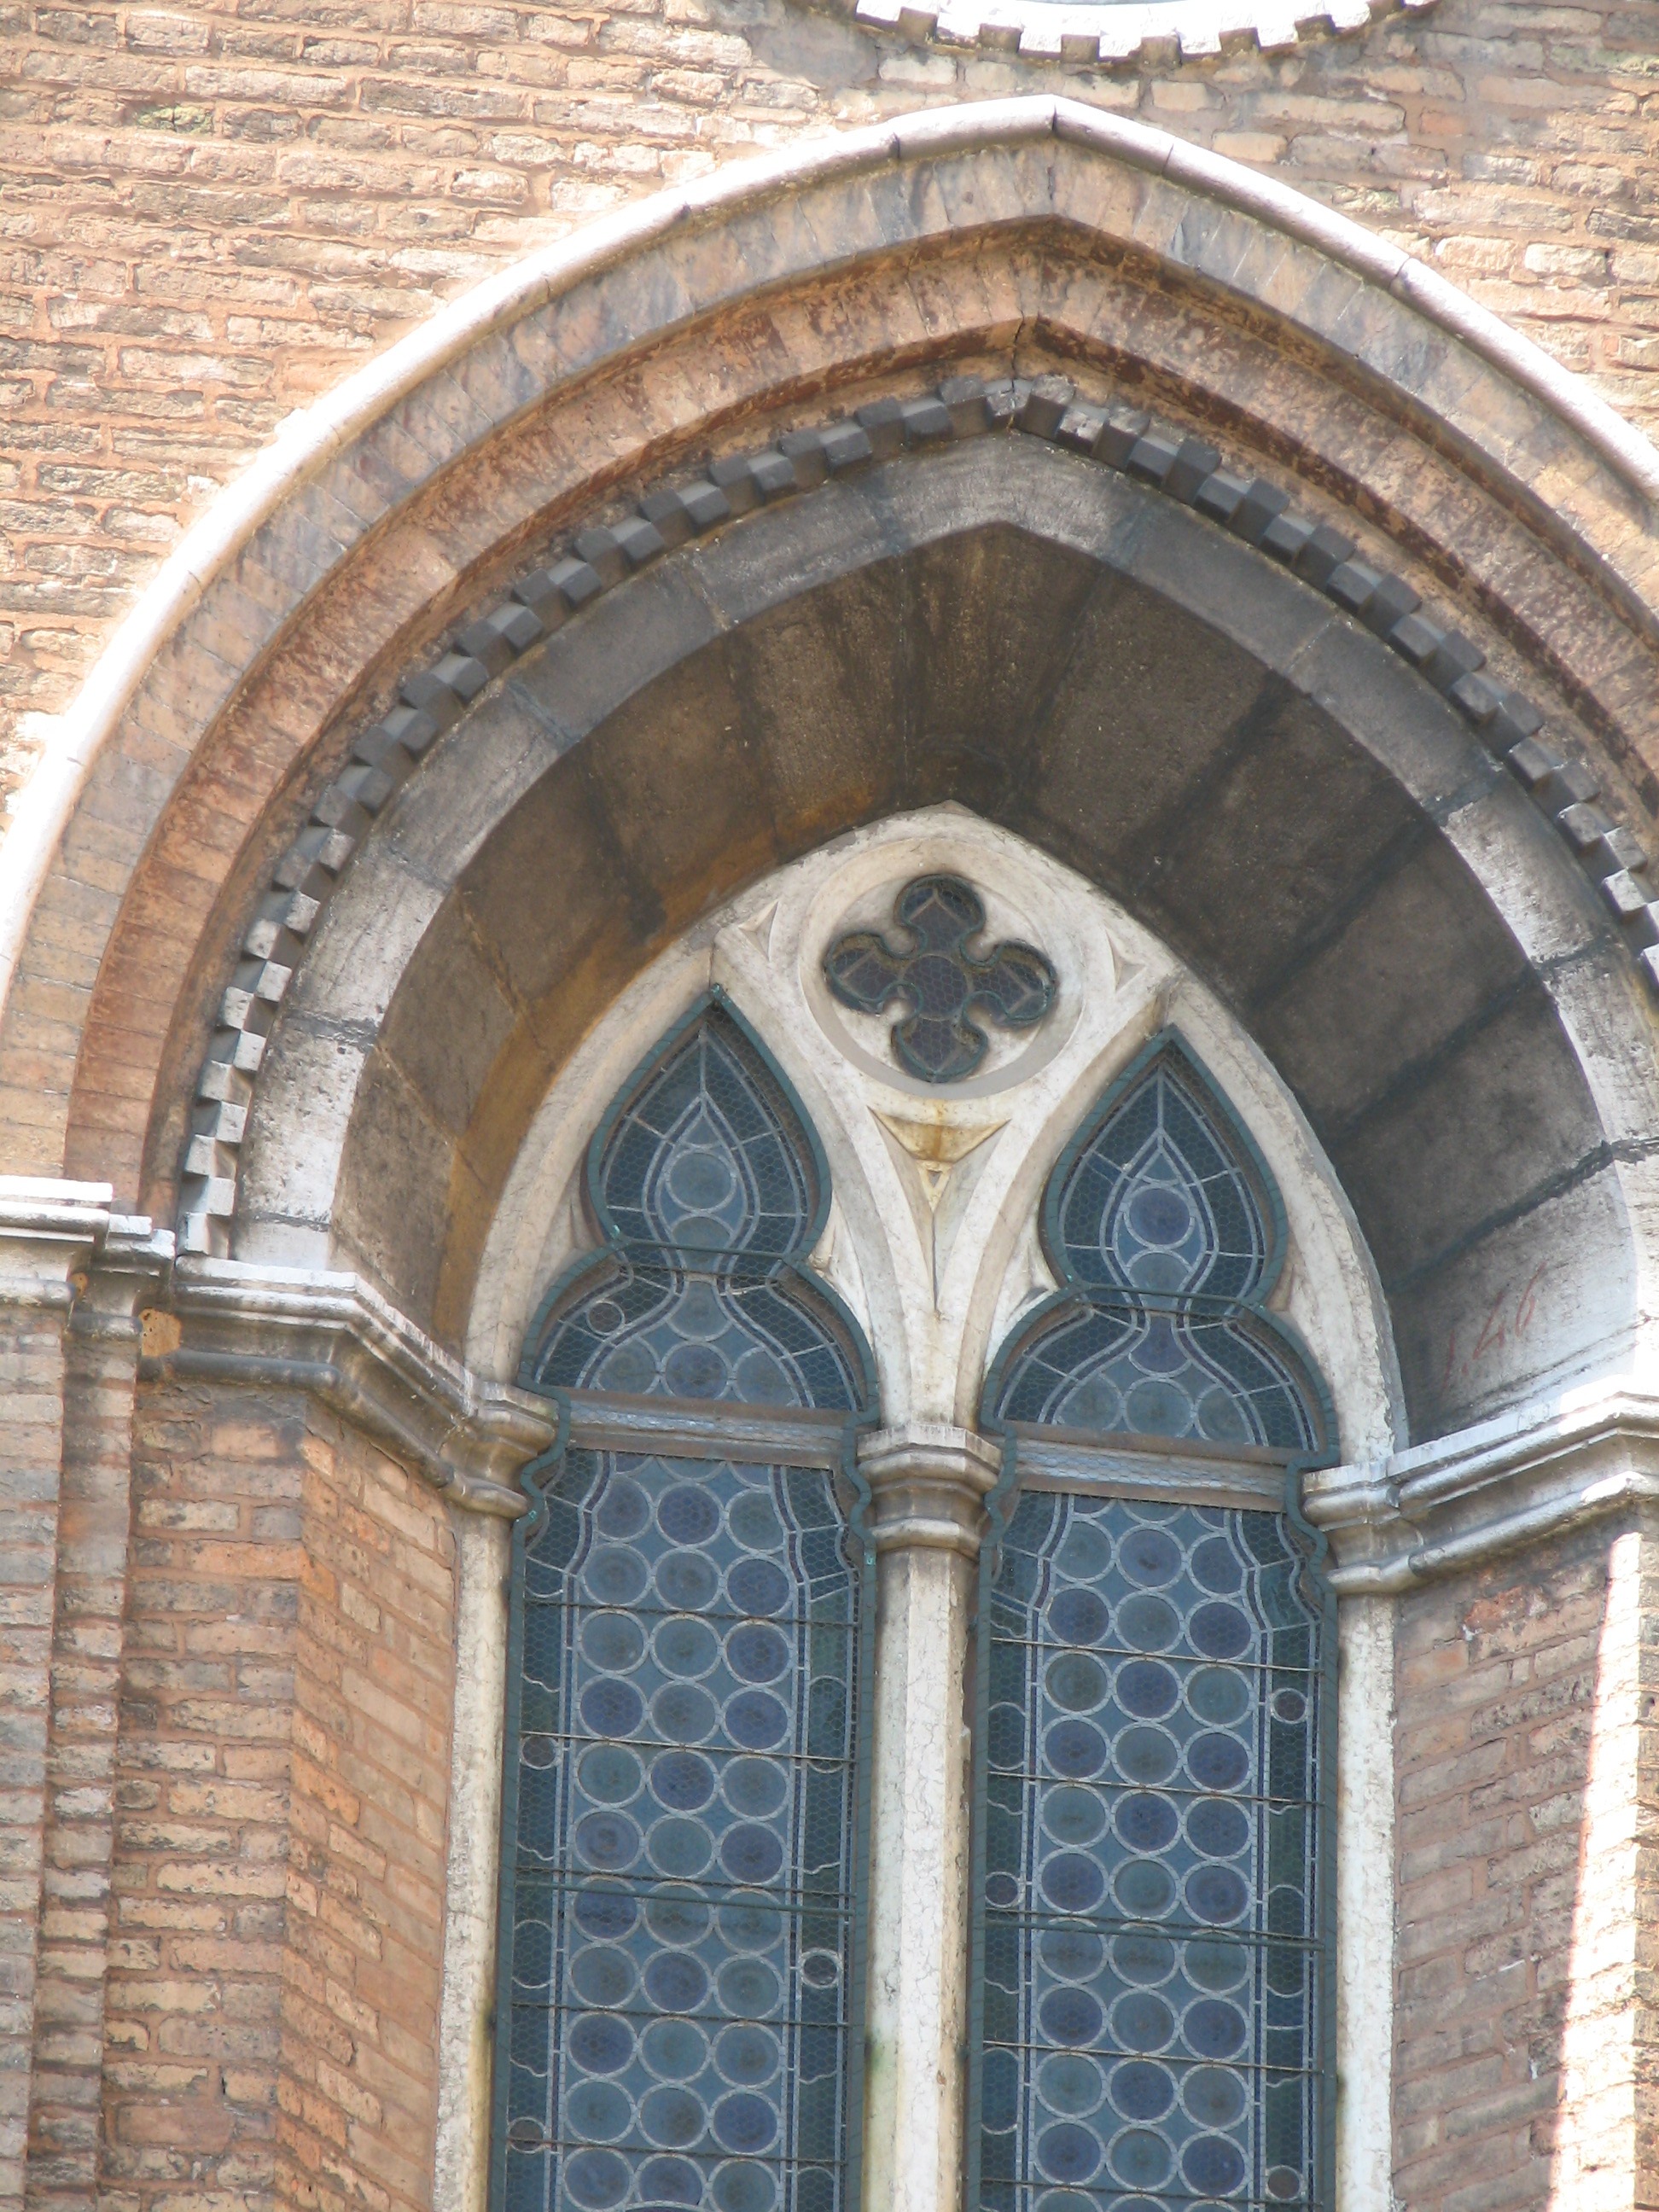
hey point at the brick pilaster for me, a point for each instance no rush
(44, 1235)
(281, 1807)
(31, 1377)
(1526, 2019)
(1606, 2156)
(100, 1363)
(357, 2092)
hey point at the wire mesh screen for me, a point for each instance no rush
(1158, 1200)
(1165, 1233)
(678, 1994)
(1151, 1931)
(683, 1763)
(728, 1334)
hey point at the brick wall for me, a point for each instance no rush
(284, 1772)
(1524, 1994)
(212, 213)
(367, 1823)
(95, 1517)
(31, 1449)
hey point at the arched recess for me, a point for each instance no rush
(1002, 624)
(1107, 675)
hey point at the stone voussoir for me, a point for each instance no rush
(599, 556)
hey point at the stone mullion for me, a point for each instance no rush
(928, 1485)
(101, 1354)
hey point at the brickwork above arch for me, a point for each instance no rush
(1226, 299)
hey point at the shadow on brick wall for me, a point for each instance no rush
(1526, 1783)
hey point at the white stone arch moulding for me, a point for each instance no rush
(476, 328)
(936, 1278)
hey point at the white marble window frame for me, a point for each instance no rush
(936, 1278)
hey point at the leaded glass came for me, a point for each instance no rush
(1185, 1376)
(708, 1155)
(1158, 1200)
(1152, 2024)
(678, 2009)
(1152, 1782)
(682, 1939)
(707, 1186)
(1165, 1232)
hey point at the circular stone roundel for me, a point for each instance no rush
(1118, 31)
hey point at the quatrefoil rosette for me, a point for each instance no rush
(946, 979)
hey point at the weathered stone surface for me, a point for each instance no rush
(1259, 836)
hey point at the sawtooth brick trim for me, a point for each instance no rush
(484, 359)
(599, 556)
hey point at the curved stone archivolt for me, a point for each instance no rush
(1185, 469)
(1264, 782)
(1462, 572)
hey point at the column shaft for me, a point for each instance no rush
(928, 1485)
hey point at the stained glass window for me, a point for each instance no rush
(1150, 1998)
(677, 1999)
(942, 982)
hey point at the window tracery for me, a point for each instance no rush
(1151, 1937)
(1166, 1235)
(942, 982)
(689, 1676)
(693, 1663)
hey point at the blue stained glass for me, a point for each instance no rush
(1151, 1952)
(708, 1189)
(1158, 1200)
(682, 1870)
(722, 1334)
(1165, 1229)
(1201, 1378)
(708, 1154)
(682, 1826)
(1152, 1994)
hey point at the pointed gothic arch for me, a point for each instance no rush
(685, 1825)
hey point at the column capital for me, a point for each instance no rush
(929, 1482)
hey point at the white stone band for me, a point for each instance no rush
(1530, 1475)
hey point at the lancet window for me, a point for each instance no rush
(685, 1832)
(679, 1998)
(1150, 1987)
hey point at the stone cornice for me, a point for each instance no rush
(61, 1244)
(1468, 1498)
(335, 1336)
